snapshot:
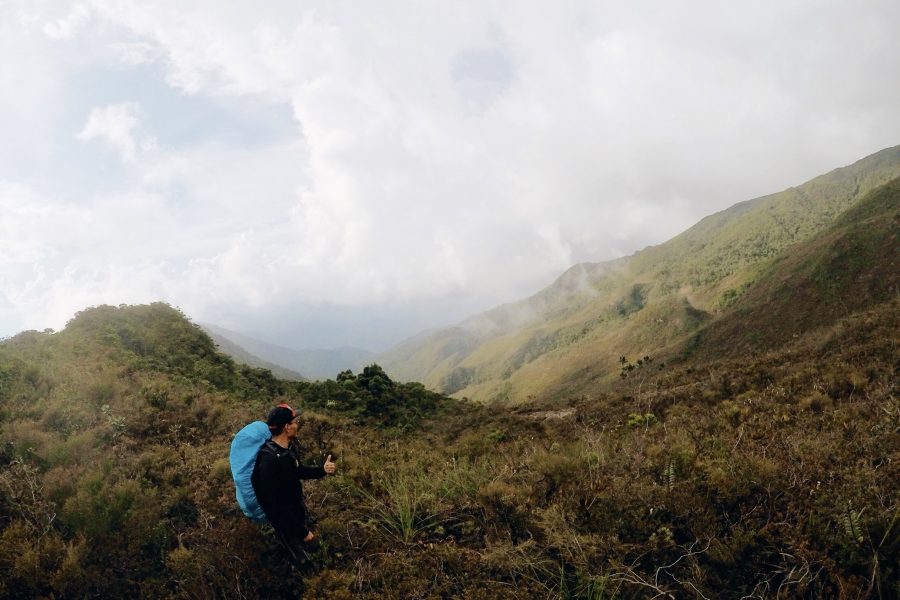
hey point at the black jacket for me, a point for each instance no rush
(276, 481)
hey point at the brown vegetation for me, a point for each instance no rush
(773, 475)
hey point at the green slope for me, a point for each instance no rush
(850, 266)
(576, 329)
(114, 443)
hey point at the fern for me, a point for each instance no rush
(669, 474)
(850, 520)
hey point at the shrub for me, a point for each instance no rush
(815, 402)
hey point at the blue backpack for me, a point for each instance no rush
(244, 448)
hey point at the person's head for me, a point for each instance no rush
(280, 418)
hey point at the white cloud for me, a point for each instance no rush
(119, 125)
(69, 26)
(135, 53)
(442, 151)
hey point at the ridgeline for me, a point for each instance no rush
(568, 336)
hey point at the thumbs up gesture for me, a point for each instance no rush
(330, 467)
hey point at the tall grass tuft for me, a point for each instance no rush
(404, 505)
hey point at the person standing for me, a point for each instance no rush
(277, 477)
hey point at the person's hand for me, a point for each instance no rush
(330, 467)
(309, 537)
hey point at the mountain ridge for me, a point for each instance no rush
(687, 280)
(242, 355)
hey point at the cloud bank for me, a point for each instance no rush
(291, 169)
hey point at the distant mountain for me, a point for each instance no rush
(572, 334)
(241, 355)
(313, 364)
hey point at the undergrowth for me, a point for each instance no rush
(773, 476)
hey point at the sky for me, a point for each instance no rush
(321, 174)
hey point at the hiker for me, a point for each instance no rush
(276, 481)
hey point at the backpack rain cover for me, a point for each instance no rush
(244, 448)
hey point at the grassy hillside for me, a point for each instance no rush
(573, 332)
(851, 265)
(113, 454)
(773, 475)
